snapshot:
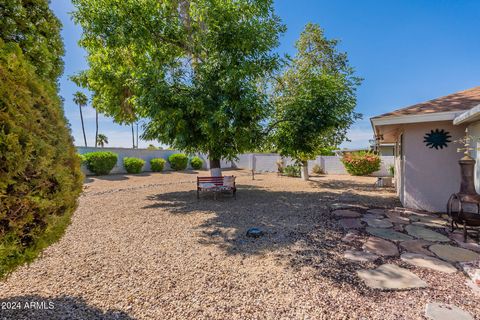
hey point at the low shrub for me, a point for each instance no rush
(196, 163)
(317, 169)
(280, 165)
(133, 165)
(292, 171)
(361, 163)
(81, 158)
(178, 161)
(157, 164)
(100, 162)
(391, 170)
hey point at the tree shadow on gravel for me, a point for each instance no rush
(298, 227)
(64, 307)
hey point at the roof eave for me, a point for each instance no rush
(468, 116)
(416, 118)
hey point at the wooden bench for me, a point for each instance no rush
(215, 185)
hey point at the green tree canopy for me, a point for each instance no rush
(314, 98)
(32, 25)
(192, 67)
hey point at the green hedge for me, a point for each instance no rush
(361, 163)
(178, 161)
(100, 162)
(133, 165)
(40, 177)
(196, 163)
(157, 164)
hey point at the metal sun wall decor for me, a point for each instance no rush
(437, 139)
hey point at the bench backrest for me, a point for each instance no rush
(218, 181)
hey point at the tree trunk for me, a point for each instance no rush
(133, 137)
(215, 170)
(96, 127)
(137, 134)
(304, 170)
(83, 127)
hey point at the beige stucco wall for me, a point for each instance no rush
(474, 131)
(430, 176)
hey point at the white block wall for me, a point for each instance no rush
(262, 162)
(144, 154)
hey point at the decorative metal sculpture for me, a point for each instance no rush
(437, 139)
(467, 196)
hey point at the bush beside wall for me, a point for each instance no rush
(100, 162)
(292, 171)
(133, 165)
(196, 163)
(157, 164)
(178, 161)
(40, 177)
(361, 163)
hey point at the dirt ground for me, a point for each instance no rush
(143, 247)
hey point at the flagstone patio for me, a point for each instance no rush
(425, 242)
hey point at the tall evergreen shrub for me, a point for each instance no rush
(40, 176)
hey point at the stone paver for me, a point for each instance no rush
(417, 246)
(360, 256)
(346, 213)
(388, 234)
(470, 244)
(351, 223)
(381, 247)
(380, 212)
(398, 227)
(440, 311)
(472, 270)
(425, 234)
(339, 205)
(378, 223)
(453, 254)
(428, 224)
(373, 216)
(351, 236)
(391, 277)
(424, 261)
(427, 220)
(395, 217)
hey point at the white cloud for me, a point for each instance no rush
(359, 135)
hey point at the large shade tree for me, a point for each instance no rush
(190, 67)
(314, 99)
(33, 26)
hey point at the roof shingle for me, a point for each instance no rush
(459, 101)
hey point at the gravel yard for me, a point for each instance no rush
(143, 247)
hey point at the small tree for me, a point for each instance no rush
(80, 99)
(314, 99)
(102, 140)
(191, 68)
(152, 147)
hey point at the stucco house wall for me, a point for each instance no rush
(430, 176)
(474, 131)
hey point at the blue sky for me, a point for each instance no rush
(407, 51)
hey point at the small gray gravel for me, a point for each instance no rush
(142, 247)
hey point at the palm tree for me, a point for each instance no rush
(96, 128)
(81, 100)
(102, 140)
(133, 136)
